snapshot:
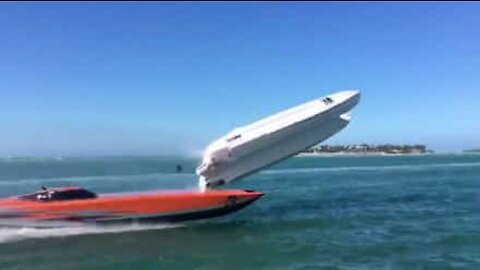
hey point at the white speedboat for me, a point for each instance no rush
(247, 149)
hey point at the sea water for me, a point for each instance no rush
(341, 212)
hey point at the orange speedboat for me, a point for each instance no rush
(65, 206)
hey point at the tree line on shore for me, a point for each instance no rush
(370, 148)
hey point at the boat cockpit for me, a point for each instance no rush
(59, 194)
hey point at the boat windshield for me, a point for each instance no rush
(49, 195)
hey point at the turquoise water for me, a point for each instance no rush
(370, 212)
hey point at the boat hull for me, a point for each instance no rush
(250, 148)
(151, 207)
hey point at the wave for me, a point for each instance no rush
(83, 179)
(173, 176)
(18, 234)
(371, 168)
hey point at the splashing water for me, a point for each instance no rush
(18, 234)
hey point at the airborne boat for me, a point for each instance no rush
(241, 152)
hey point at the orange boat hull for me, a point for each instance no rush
(162, 206)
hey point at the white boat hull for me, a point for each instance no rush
(248, 149)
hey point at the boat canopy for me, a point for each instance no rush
(59, 194)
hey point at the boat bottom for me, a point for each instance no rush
(179, 217)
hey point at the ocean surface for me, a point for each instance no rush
(338, 212)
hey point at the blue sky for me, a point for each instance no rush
(166, 78)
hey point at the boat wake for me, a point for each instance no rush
(372, 168)
(18, 234)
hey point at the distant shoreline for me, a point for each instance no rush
(303, 154)
(323, 154)
(367, 149)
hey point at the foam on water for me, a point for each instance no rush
(18, 234)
